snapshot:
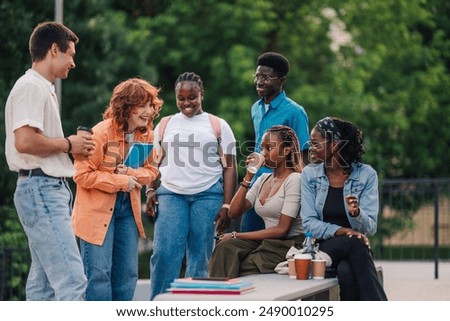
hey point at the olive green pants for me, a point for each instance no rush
(237, 257)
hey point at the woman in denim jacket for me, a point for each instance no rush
(340, 205)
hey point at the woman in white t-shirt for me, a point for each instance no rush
(195, 191)
(276, 198)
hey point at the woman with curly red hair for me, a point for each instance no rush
(107, 209)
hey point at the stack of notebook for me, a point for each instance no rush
(216, 286)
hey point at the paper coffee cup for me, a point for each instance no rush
(302, 266)
(318, 268)
(256, 163)
(291, 268)
(83, 130)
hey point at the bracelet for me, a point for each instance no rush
(149, 190)
(243, 185)
(233, 234)
(227, 206)
(70, 145)
(248, 182)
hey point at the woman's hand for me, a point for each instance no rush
(224, 237)
(222, 220)
(359, 235)
(121, 169)
(152, 202)
(133, 183)
(353, 205)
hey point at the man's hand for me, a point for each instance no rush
(82, 146)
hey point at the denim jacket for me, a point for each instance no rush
(363, 182)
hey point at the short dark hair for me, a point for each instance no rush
(275, 60)
(45, 35)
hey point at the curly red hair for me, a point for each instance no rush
(129, 95)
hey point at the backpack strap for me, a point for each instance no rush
(215, 124)
(162, 127)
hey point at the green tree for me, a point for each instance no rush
(386, 69)
(383, 64)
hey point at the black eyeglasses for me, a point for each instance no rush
(264, 78)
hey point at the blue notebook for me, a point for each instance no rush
(138, 154)
(209, 283)
(206, 285)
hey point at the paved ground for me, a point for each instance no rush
(415, 280)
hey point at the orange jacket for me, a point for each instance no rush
(97, 184)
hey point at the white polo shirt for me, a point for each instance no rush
(33, 102)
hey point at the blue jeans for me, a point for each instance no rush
(184, 227)
(44, 207)
(112, 269)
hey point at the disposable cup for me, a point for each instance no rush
(302, 266)
(82, 131)
(256, 163)
(291, 267)
(318, 269)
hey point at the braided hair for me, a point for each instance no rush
(289, 138)
(189, 76)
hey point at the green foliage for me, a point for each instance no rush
(113, 47)
(11, 232)
(383, 64)
(14, 255)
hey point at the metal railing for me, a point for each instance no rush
(414, 221)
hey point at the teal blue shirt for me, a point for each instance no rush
(282, 111)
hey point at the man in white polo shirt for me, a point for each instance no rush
(37, 149)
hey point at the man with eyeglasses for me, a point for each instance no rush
(274, 108)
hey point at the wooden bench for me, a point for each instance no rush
(268, 287)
